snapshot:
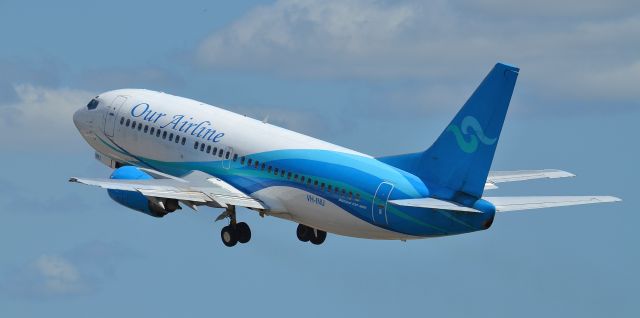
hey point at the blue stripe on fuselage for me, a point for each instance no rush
(356, 173)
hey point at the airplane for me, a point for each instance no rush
(171, 152)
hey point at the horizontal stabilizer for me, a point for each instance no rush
(510, 176)
(508, 204)
(522, 175)
(431, 203)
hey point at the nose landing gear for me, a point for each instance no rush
(308, 234)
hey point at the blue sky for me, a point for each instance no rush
(382, 77)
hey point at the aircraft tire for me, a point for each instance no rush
(243, 232)
(304, 233)
(319, 238)
(229, 236)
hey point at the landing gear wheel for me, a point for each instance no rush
(318, 237)
(229, 236)
(243, 232)
(304, 233)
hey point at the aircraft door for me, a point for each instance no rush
(112, 115)
(379, 204)
(227, 157)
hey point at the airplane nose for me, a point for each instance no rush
(80, 120)
(76, 118)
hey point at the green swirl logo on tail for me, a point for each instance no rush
(461, 133)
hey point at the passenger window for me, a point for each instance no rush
(289, 175)
(275, 171)
(344, 193)
(242, 160)
(128, 122)
(209, 149)
(220, 153)
(158, 133)
(302, 179)
(350, 195)
(177, 139)
(282, 173)
(184, 140)
(315, 183)
(227, 155)
(202, 147)
(257, 164)
(322, 186)
(153, 130)
(235, 157)
(171, 137)
(295, 177)
(269, 169)
(358, 197)
(214, 151)
(121, 120)
(164, 135)
(195, 145)
(262, 167)
(249, 162)
(146, 128)
(309, 181)
(329, 188)
(133, 125)
(139, 126)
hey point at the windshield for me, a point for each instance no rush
(93, 104)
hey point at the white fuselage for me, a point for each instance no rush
(124, 128)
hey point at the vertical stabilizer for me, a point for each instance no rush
(458, 163)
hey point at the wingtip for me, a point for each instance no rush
(553, 174)
(73, 179)
(608, 198)
(615, 199)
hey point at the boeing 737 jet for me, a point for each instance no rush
(170, 153)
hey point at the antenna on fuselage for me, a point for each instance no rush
(266, 119)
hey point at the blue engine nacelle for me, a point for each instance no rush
(135, 200)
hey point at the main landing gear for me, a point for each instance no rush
(234, 232)
(308, 234)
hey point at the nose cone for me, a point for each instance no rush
(81, 120)
(76, 118)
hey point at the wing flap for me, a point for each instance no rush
(192, 196)
(508, 204)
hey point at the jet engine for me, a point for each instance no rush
(135, 200)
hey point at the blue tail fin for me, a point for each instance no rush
(458, 163)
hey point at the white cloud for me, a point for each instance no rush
(57, 275)
(40, 115)
(579, 50)
(79, 271)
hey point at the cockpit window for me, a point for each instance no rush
(93, 104)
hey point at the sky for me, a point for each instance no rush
(381, 77)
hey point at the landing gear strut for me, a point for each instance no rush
(235, 232)
(308, 234)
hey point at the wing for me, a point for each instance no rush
(195, 188)
(522, 175)
(508, 204)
